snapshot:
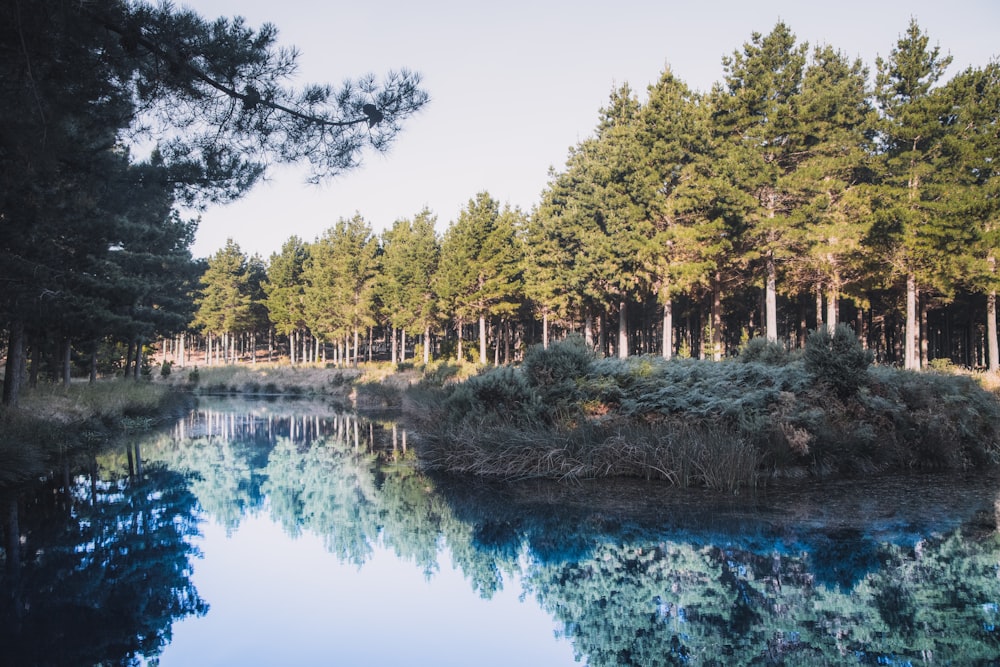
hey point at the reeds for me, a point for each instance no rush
(684, 456)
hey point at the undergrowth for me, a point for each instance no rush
(52, 421)
(723, 425)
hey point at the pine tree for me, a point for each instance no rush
(973, 197)
(410, 255)
(83, 81)
(909, 218)
(480, 266)
(678, 255)
(340, 283)
(224, 305)
(761, 141)
(831, 216)
(285, 290)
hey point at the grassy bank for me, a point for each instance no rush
(724, 425)
(52, 422)
(371, 386)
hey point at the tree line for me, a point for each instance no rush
(797, 193)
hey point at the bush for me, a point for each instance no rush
(165, 368)
(565, 360)
(761, 350)
(837, 360)
(500, 392)
(557, 374)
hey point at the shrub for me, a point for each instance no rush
(761, 350)
(501, 392)
(193, 376)
(165, 368)
(565, 360)
(837, 360)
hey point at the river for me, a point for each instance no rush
(289, 533)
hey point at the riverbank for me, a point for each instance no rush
(727, 426)
(564, 414)
(369, 387)
(52, 422)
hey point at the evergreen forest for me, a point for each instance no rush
(803, 190)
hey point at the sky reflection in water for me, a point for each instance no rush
(276, 600)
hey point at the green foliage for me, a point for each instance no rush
(764, 351)
(563, 361)
(688, 421)
(501, 395)
(165, 368)
(837, 359)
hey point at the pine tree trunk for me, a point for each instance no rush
(482, 339)
(458, 328)
(831, 310)
(602, 336)
(819, 307)
(67, 358)
(402, 346)
(668, 329)
(427, 344)
(545, 329)
(507, 335)
(392, 353)
(16, 364)
(588, 330)
(33, 360)
(922, 310)
(910, 359)
(93, 361)
(496, 347)
(803, 324)
(771, 301)
(623, 329)
(991, 331)
(717, 319)
(127, 370)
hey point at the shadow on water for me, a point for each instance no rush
(100, 569)
(888, 571)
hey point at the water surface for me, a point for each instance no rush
(289, 533)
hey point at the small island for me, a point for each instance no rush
(731, 426)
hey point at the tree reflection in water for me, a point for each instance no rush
(636, 574)
(103, 570)
(633, 573)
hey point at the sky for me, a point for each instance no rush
(515, 84)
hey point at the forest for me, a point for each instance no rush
(798, 193)
(803, 190)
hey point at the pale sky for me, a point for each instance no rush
(515, 84)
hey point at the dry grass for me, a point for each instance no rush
(265, 380)
(52, 420)
(682, 455)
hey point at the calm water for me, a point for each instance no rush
(289, 534)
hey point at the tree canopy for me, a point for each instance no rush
(104, 100)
